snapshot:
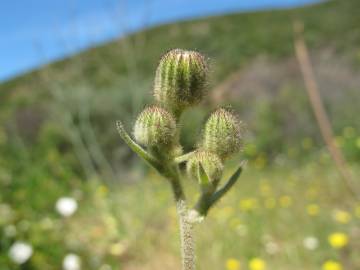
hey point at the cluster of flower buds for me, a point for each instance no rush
(180, 82)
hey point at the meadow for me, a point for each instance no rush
(74, 197)
(280, 218)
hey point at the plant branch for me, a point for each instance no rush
(317, 105)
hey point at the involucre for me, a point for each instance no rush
(180, 79)
(155, 127)
(222, 133)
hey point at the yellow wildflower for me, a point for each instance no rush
(342, 216)
(232, 264)
(331, 265)
(248, 204)
(257, 264)
(313, 209)
(285, 201)
(338, 240)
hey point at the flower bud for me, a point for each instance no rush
(222, 134)
(180, 79)
(211, 163)
(155, 127)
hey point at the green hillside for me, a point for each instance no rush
(72, 104)
(232, 40)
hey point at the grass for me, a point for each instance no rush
(267, 215)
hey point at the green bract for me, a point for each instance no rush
(180, 79)
(155, 127)
(222, 134)
(211, 163)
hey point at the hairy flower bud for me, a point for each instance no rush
(155, 127)
(180, 79)
(222, 134)
(211, 163)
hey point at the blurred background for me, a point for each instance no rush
(72, 195)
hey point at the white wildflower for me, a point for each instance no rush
(311, 242)
(72, 262)
(66, 206)
(20, 252)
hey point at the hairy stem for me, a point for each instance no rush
(186, 227)
(186, 237)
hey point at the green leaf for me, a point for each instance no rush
(222, 191)
(207, 200)
(141, 152)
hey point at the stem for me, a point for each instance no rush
(187, 243)
(161, 164)
(186, 237)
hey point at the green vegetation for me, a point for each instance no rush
(58, 138)
(268, 215)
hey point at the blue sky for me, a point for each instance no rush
(35, 32)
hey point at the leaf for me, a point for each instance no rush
(141, 152)
(222, 191)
